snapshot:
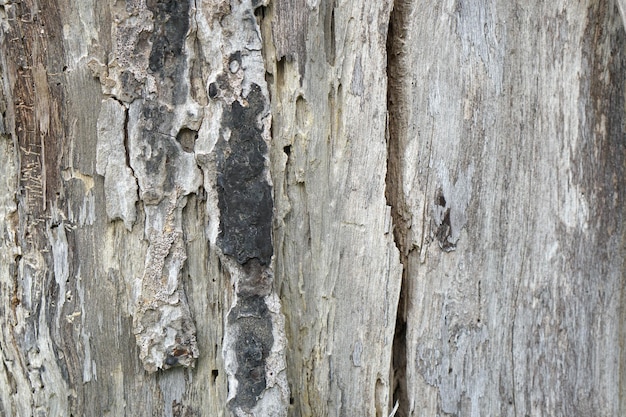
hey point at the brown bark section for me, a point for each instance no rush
(39, 92)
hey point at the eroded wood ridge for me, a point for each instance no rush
(34, 282)
(337, 265)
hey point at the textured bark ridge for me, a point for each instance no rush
(147, 77)
(506, 142)
(33, 228)
(234, 154)
(158, 102)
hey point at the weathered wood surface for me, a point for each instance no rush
(338, 267)
(507, 158)
(137, 212)
(312, 208)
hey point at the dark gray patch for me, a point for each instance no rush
(213, 90)
(252, 324)
(187, 139)
(443, 230)
(171, 24)
(245, 198)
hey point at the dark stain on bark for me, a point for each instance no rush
(171, 24)
(245, 198)
(443, 226)
(253, 328)
(443, 233)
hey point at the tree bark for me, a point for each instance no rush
(312, 208)
(507, 153)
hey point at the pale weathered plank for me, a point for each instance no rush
(338, 268)
(507, 147)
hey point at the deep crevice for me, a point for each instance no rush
(397, 71)
(127, 138)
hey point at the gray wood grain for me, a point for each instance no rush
(508, 153)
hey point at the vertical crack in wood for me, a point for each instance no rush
(127, 146)
(397, 114)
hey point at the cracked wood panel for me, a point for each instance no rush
(506, 169)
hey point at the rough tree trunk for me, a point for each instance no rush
(312, 208)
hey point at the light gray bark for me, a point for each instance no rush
(338, 267)
(312, 208)
(507, 159)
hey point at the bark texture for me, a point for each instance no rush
(506, 159)
(312, 208)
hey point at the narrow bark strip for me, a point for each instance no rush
(233, 151)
